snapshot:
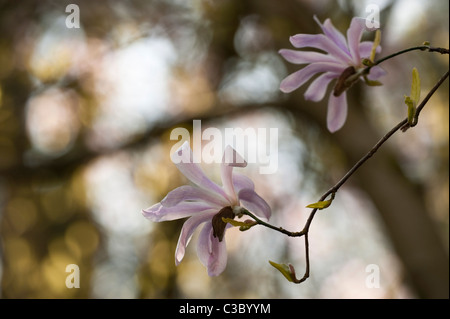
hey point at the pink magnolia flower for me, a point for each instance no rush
(206, 203)
(342, 60)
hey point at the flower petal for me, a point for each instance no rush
(193, 171)
(333, 34)
(230, 159)
(233, 158)
(159, 213)
(192, 193)
(302, 57)
(376, 72)
(204, 247)
(218, 260)
(241, 181)
(297, 79)
(321, 42)
(317, 89)
(226, 173)
(187, 230)
(211, 252)
(337, 112)
(365, 49)
(354, 34)
(254, 203)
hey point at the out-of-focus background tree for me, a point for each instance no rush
(85, 120)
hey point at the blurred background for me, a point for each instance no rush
(85, 121)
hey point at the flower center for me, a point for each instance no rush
(218, 224)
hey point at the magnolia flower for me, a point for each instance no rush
(206, 203)
(342, 60)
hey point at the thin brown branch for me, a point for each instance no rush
(420, 47)
(307, 269)
(332, 191)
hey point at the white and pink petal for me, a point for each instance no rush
(192, 193)
(376, 72)
(302, 57)
(333, 34)
(321, 42)
(317, 89)
(337, 112)
(365, 49)
(183, 159)
(230, 159)
(241, 181)
(297, 79)
(188, 230)
(254, 203)
(160, 213)
(211, 252)
(354, 34)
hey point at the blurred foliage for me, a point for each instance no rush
(85, 120)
